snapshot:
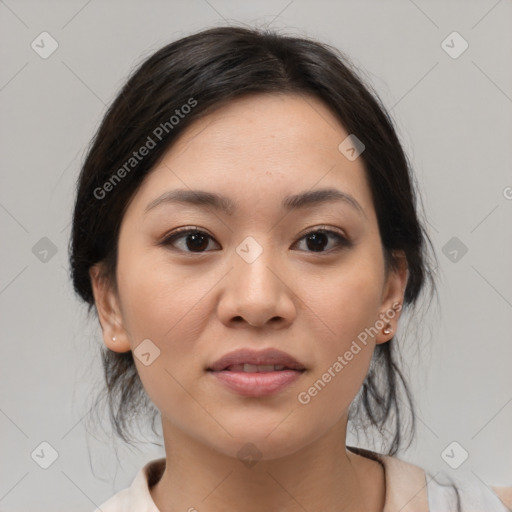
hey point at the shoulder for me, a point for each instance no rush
(410, 488)
(120, 502)
(466, 492)
(505, 495)
(136, 497)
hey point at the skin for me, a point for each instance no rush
(196, 307)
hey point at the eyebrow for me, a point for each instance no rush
(222, 203)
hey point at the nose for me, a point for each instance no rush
(257, 293)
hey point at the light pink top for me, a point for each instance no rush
(408, 489)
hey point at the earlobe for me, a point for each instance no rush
(393, 297)
(107, 308)
(388, 322)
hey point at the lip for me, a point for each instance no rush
(256, 384)
(256, 357)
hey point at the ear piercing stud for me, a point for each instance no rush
(113, 338)
(388, 329)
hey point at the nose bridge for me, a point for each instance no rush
(253, 260)
(254, 291)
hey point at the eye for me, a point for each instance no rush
(318, 239)
(196, 241)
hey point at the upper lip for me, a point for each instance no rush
(256, 357)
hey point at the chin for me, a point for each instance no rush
(261, 442)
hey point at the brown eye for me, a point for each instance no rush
(197, 241)
(318, 240)
(193, 240)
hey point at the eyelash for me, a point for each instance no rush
(342, 242)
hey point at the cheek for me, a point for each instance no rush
(161, 304)
(158, 298)
(346, 303)
(342, 313)
(170, 306)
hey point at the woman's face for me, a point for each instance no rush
(254, 277)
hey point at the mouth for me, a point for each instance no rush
(254, 368)
(252, 361)
(256, 374)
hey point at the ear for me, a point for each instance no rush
(109, 312)
(393, 297)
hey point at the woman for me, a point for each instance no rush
(226, 159)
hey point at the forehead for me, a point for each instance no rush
(284, 124)
(260, 146)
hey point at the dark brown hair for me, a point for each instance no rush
(206, 70)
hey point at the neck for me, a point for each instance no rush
(323, 475)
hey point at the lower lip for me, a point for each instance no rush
(257, 384)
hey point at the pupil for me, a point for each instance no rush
(319, 241)
(199, 242)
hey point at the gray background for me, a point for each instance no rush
(454, 118)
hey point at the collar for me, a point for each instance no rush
(406, 484)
